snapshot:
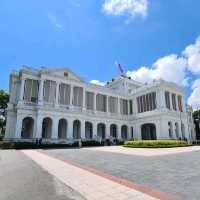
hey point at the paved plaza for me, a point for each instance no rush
(101, 173)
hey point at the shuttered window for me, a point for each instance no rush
(31, 88)
(49, 91)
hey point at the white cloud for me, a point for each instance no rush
(170, 68)
(194, 98)
(126, 7)
(55, 22)
(97, 82)
(192, 53)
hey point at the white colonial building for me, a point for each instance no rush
(57, 105)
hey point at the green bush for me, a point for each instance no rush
(91, 143)
(155, 143)
(1, 137)
(29, 145)
(196, 142)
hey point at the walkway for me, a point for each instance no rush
(92, 184)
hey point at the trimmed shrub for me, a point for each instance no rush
(29, 145)
(1, 137)
(155, 144)
(91, 143)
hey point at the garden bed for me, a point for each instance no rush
(155, 144)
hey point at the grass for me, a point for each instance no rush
(155, 144)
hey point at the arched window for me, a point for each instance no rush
(113, 130)
(27, 128)
(148, 132)
(77, 129)
(124, 132)
(47, 128)
(88, 130)
(101, 131)
(62, 129)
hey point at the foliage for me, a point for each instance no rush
(196, 116)
(155, 143)
(91, 143)
(1, 137)
(4, 99)
(31, 145)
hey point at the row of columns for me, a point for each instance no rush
(40, 96)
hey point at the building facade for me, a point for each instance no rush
(57, 105)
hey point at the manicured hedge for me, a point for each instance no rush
(1, 137)
(155, 143)
(91, 143)
(29, 145)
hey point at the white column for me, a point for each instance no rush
(94, 130)
(22, 89)
(84, 99)
(119, 135)
(83, 129)
(107, 131)
(40, 94)
(70, 129)
(95, 101)
(57, 93)
(39, 122)
(135, 108)
(18, 127)
(71, 95)
(55, 129)
(119, 105)
(107, 104)
(128, 107)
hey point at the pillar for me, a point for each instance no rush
(57, 94)
(18, 127)
(70, 129)
(39, 122)
(22, 89)
(119, 106)
(83, 129)
(94, 130)
(119, 135)
(107, 131)
(55, 129)
(84, 107)
(95, 101)
(71, 95)
(40, 95)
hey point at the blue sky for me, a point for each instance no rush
(90, 35)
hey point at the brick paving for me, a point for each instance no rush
(93, 184)
(177, 174)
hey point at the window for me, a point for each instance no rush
(124, 106)
(101, 102)
(89, 100)
(31, 88)
(146, 102)
(174, 101)
(64, 94)
(167, 100)
(180, 106)
(49, 91)
(78, 96)
(113, 106)
(131, 106)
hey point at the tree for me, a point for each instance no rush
(196, 116)
(4, 99)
